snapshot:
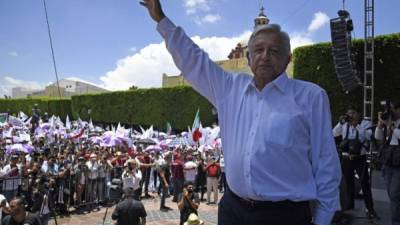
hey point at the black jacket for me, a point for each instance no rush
(129, 212)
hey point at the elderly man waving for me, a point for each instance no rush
(278, 146)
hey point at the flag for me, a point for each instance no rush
(14, 121)
(80, 134)
(91, 127)
(169, 128)
(196, 134)
(22, 116)
(67, 123)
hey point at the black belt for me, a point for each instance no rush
(286, 204)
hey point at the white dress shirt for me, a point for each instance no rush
(278, 143)
(395, 136)
(131, 179)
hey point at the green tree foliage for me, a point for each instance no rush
(314, 63)
(145, 107)
(58, 107)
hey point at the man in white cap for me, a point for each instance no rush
(131, 177)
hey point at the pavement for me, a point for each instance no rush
(208, 213)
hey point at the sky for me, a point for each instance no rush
(114, 43)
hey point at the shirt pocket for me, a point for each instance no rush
(278, 129)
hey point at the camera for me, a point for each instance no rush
(344, 119)
(387, 113)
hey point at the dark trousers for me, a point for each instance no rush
(392, 180)
(164, 193)
(177, 188)
(155, 175)
(234, 211)
(147, 180)
(358, 164)
(222, 182)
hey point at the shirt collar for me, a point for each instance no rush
(280, 82)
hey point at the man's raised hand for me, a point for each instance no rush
(154, 8)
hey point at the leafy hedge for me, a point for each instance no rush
(145, 107)
(59, 107)
(314, 63)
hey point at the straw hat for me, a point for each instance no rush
(193, 220)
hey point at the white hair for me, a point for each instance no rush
(274, 28)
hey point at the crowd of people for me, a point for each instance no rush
(62, 173)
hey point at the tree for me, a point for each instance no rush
(133, 87)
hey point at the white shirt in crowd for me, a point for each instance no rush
(93, 169)
(395, 137)
(364, 134)
(131, 179)
(190, 171)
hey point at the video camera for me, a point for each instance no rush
(344, 119)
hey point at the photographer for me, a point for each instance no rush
(188, 202)
(388, 132)
(355, 133)
(131, 177)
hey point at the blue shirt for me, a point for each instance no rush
(278, 143)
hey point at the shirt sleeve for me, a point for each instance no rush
(396, 134)
(337, 130)
(324, 160)
(366, 129)
(206, 77)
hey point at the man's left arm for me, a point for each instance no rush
(143, 220)
(115, 214)
(324, 160)
(195, 201)
(142, 214)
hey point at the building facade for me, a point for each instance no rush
(68, 88)
(21, 92)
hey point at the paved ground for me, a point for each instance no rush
(208, 213)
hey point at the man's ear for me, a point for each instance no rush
(248, 58)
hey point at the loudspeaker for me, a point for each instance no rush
(343, 58)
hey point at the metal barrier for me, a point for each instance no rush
(67, 190)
